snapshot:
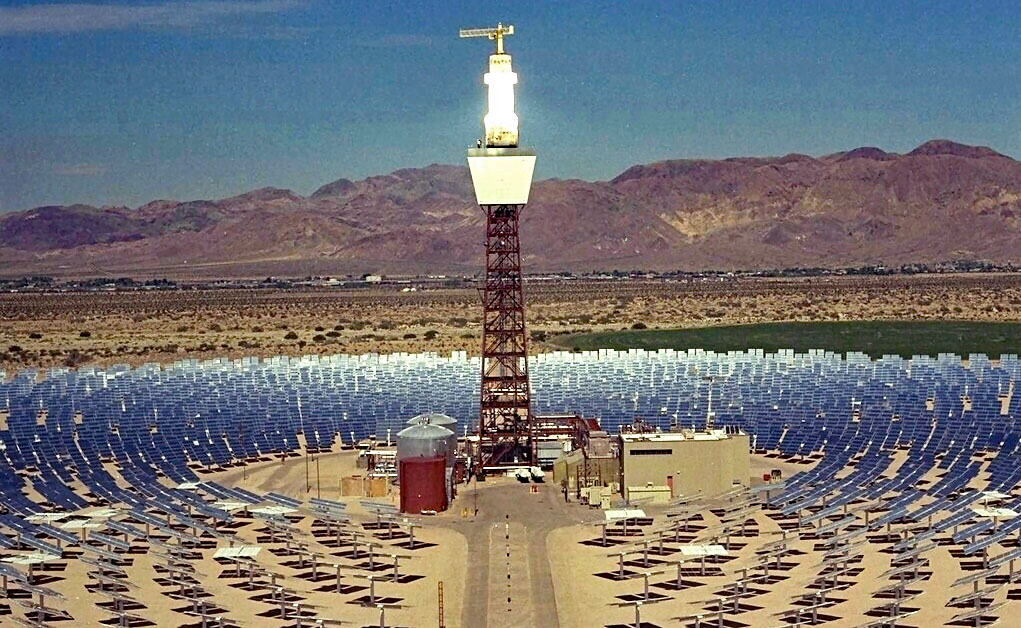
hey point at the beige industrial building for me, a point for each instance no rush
(595, 464)
(582, 469)
(670, 464)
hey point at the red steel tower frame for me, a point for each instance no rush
(505, 419)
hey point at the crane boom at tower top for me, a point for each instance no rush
(497, 33)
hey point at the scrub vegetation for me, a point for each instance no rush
(875, 338)
(43, 329)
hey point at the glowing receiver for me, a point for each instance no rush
(501, 121)
(501, 171)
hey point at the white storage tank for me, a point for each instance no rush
(424, 441)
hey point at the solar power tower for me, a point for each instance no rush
(501, 174)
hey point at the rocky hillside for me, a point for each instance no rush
(941, 201)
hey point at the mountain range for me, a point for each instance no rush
(942, 201)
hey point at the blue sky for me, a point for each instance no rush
(123, 102)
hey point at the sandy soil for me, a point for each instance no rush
(588, 599)
(512, 554)
(442, 561)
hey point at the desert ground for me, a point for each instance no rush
(102, 328)
(589, 593)
(438, 556)
(512, 554)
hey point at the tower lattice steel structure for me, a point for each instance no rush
(505, 420)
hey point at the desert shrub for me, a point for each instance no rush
(429, 335)
(215, 327)
(410, 336)
(14, 349)
(257, 329)
(333, 334)
(85, 334)
(319, 338)
(338, 328)
(290, 336)
(182, 329)
(537, 335)
(385, 324)
(318, 328)
(35, 335)
(75, 358)
(639, 325)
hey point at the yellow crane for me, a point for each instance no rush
(498, 33)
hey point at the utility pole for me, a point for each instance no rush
(439, 603)
(244, 461)
(710, 418)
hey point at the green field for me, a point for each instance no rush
(876, 338)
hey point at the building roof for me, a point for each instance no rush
(672, 437)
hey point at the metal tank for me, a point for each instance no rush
(433, 418)
(436, 418)
(423, 484)
(424, 441)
